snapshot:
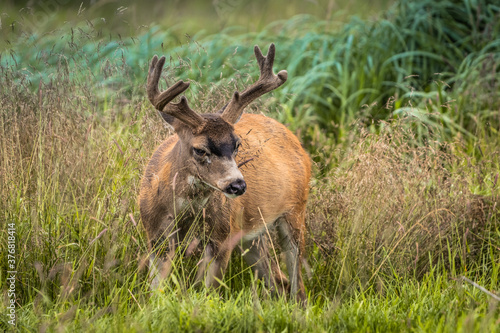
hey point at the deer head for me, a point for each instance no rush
(208, 143)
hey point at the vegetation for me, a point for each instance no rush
(400, 113)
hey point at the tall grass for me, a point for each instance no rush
(388, 225)
(392, 210)
(404, 203)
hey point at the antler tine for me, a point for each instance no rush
(161, 101)
(267, 82)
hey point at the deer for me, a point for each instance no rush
(245, 173)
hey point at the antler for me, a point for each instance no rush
(267, 81)
(161, 101)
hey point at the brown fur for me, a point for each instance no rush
(277, 178)
(241, 196)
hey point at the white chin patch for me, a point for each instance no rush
(230, 196)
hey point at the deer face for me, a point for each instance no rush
(210, 153)
(209, 142)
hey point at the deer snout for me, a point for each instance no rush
(236, 188)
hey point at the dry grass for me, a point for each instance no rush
(396, 209)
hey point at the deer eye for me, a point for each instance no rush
(200, 152)
(236, 149)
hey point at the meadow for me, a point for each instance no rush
(397, 103)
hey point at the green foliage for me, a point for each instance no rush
(422, 59)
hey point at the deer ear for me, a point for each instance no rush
(171, 120)
(168, 118)
(178, 126)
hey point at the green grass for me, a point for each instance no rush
(433, 304)
(399, 113)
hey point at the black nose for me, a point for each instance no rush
(237, 187)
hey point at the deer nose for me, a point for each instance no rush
(237, 187)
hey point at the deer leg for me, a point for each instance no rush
(217, 255)
(160, 263)
(216, 259)
(203, 264)
(162, 249)
(291, 245)
(256, 255)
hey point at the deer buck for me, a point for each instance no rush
(244, 173)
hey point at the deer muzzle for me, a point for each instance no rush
(232, 184)
(236, 188)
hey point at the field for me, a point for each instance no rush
(397, 103)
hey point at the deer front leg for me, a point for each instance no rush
(217, 263)
(216, 259)
(162, 250)
(160, 265)
(256, 255)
